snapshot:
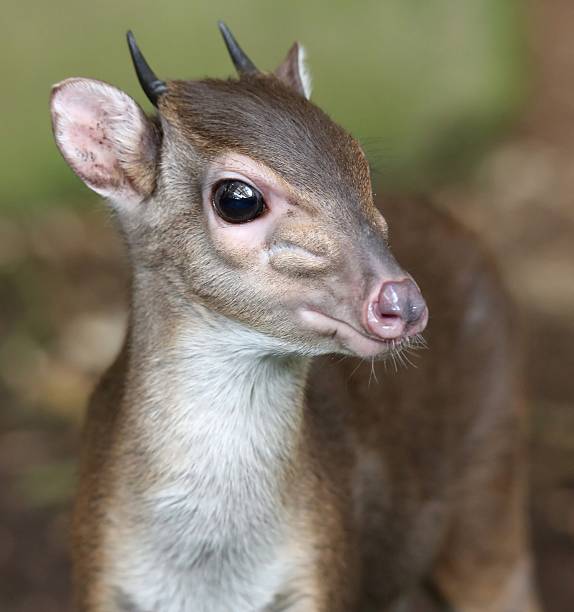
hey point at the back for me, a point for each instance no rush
(434, 434)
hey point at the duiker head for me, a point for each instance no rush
(244, 196)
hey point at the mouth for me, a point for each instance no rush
(357, 342)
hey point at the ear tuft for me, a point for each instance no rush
(304, 72)
(106, 139)
(293, 71)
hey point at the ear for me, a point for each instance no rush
(294, 72)
(106, 139)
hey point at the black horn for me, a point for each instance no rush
(152, 86)
(242, 63)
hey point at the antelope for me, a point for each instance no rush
(230, 462)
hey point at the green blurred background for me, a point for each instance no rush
(471, 102)
(426, 85)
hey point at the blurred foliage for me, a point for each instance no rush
(47, 485)
(425, 85)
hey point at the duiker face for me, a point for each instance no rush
(247, 198)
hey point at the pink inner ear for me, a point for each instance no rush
(96, 126)
(93, 154)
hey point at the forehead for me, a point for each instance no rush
(261, 118)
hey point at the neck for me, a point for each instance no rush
(211, 454)
(215, 408)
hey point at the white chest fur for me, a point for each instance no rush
(210, 531)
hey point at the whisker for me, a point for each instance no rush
(400, 358)
(393, 355)
(373, 370)
(340, 359)
(372, 373)
(355, 369)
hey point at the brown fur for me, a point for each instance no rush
(393, 479)
(434, 454)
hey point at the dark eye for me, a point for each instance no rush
(237, 202)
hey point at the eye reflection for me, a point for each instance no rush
(237, 202)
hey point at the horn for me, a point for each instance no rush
(151, 85)
(242, 63)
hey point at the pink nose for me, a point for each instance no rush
(398, 311)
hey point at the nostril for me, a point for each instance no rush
(390, 302)
(390, 316)
(401, 299)
(388, 326)
(416, 310)
(398, 309)
(394, 300)
(389, 320)
(384, 310)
